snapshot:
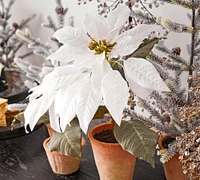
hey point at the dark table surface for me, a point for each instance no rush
(23, 158)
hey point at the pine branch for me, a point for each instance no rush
(153, 111)
(142, 16)
(15, 49)
(189, 16)
(61, 13)
(11, 2)
(197, 40)
(26, 55)
(160, 100)
(178, 78)
(34, 43)
(177, 94)
(41, 53)
(35, 69)
(174, 26)
(10, 43)
(196, 52)
(22, 64)
(171, 55)
(32, 72)
(171, 83)
(149, 122)
(19, 27)
(50, 25)
(192, 42)
(164, 63)
(3, 6)
(183, 3)
(71, 21)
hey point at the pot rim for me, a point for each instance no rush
(161, 139)
(91, 137)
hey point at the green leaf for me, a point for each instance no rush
(69, 142)
(43, 119)
(144, 49)
(137, 139)
(101, 111)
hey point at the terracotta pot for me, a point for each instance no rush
(173, 168)
(62, 164)
(49, 129)
(113, 163)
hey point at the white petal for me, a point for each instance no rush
(36, 92)
(96, 79)
(37, 108)
(144, 73)
(98, 73)
(87, 105)
(137, 89)
(55, 109)
(85, 63)
(96, 26)
(68, 109)
(125, 46)
(140, 32)
(72, 36)
(116, 20)
(60, 77)
(115, 93)
(59, 101)
(54, 118)
(68, 53)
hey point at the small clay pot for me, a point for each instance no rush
(62, 164)
(173, 168)
(112, 161)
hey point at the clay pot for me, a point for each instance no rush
(62, 164)
(111, 160)
(173, 168)
(49, 129)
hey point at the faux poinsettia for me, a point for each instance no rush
(80, 88)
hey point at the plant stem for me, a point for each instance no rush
(192, 43)
(147, 10)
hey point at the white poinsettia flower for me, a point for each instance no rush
(70, 91)
(101, 35)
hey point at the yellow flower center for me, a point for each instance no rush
(101, 46)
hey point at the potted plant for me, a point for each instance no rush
(100, 74)
(61, 153)
(35, 73)
(176, 113)
(75, 91)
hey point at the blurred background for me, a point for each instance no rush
(42, 8)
